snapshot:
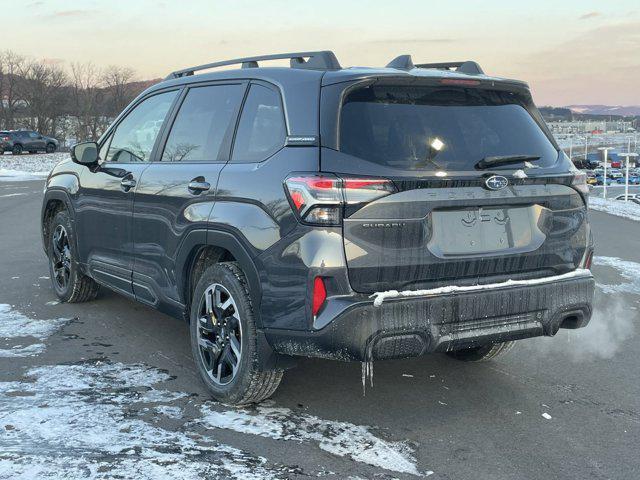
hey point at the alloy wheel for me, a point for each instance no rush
(219, 334)
(61, 258)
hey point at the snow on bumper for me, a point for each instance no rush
(380, 297)
(408, 324)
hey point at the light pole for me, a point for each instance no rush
(605, 150)
(627, 156)
(571, 148)
(586, 145)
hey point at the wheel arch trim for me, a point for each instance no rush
(59, 194)
(201, 238)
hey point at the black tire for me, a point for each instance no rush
(33, 152)
(50, 148)
(69, 283)
(247, 383)
(17, 149)
(483, 353)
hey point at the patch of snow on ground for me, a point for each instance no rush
(14, 325)
(85, 421)
(28, 167)
(628, 270)
(619, 208)
(339, 438)
(169, 411)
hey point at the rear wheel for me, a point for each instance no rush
(482, 353)
(224, 338)
(69, 283)
(17, 149)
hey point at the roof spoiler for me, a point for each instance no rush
(320, 60)
(469, 67)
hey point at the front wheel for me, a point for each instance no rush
(69, 283)
(482, 353)
(224, 338)
(50, 148)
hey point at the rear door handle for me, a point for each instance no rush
(198, 186)
(127, 183)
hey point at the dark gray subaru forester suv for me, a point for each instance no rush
(313, 210)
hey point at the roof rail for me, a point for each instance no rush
(469, 67)
(321, 60)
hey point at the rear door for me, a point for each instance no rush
(448, 221)
(176, 193)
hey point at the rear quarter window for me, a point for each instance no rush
(261, 131)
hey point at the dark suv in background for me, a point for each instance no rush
(341, 213)
(18, 141)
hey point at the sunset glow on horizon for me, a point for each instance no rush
(572, 52)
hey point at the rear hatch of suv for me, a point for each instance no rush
(451, 206)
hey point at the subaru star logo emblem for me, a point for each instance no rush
(496, 182)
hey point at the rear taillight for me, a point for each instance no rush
(588, 260)
(318, 198)
(5, 139)
(319, 295)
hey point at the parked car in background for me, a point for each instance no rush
(633, 180)
(614, 174)
(18, 141)
(600, 180)
(591, 178)
(630, 196)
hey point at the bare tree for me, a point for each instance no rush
(77, 102)
(118, 81)
(42, 89)
(11, 65)
(87, 99)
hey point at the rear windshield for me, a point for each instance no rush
(440, 128)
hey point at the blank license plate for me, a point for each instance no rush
(484, 230)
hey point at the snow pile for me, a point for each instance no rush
(29, 167)
(339, 438)
(14, 325)
(380, 297)
(88, 421)
(620, 208)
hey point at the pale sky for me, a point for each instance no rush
(570, 52)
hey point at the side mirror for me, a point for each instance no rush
(85, 153)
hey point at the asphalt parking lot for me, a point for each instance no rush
(107, 389)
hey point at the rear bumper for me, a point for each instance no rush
(354, 329)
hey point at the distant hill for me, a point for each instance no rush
(590, 112)
(630, 110)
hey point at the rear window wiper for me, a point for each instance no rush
(488, 162)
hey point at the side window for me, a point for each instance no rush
(134, 137)
(261, 131)
(33, 135)
(204, 120)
